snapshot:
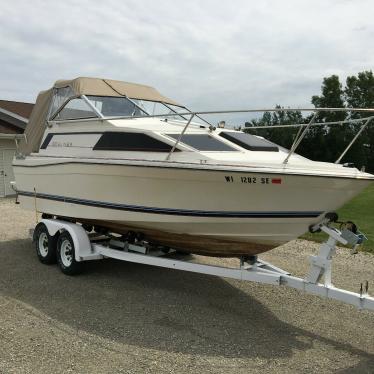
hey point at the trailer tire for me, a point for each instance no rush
(45, 244)
(66, 255)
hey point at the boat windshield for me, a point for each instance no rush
(121, 106)
(115, 106)
(154, 108)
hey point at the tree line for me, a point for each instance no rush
(326, 143)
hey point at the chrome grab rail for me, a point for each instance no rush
(298, 140)
(180, 137)
(364, 110)
(312, 123)
(353, 140)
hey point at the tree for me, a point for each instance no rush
(331, 97)
(359, 93)
(328, 141)
(282, 136)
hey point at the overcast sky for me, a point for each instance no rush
(205, 54)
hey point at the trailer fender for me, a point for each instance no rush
(80, 238)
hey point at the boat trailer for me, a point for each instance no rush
(69, 244)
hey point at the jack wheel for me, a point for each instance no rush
(45, 244)
(66, 255)
(332, 216)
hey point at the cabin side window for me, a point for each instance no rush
(250, 142)
(130, 141)
(203, 142)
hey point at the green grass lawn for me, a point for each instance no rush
(360, 210)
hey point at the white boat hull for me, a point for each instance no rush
(215, 212)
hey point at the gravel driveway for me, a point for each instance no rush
(126, 318)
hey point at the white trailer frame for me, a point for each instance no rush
(259, 271)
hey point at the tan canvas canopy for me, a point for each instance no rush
(82, 86)
(109, 87)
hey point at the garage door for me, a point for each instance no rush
(6, 172)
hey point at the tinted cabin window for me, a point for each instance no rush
(129, 141)
(250, 142)
(203, 142)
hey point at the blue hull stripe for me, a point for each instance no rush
(175, 212)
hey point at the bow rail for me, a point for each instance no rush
(303, 127)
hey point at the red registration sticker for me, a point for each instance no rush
(276, 180)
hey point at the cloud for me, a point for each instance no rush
(208, 55)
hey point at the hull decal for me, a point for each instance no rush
(171, 211)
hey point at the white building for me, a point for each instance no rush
(13, 119)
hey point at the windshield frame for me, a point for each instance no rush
(171, 109)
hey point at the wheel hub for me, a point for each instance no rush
(43, 244)
(66, 253)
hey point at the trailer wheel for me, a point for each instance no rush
(66, 255)
(45, 244)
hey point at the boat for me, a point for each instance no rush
(121, 157)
